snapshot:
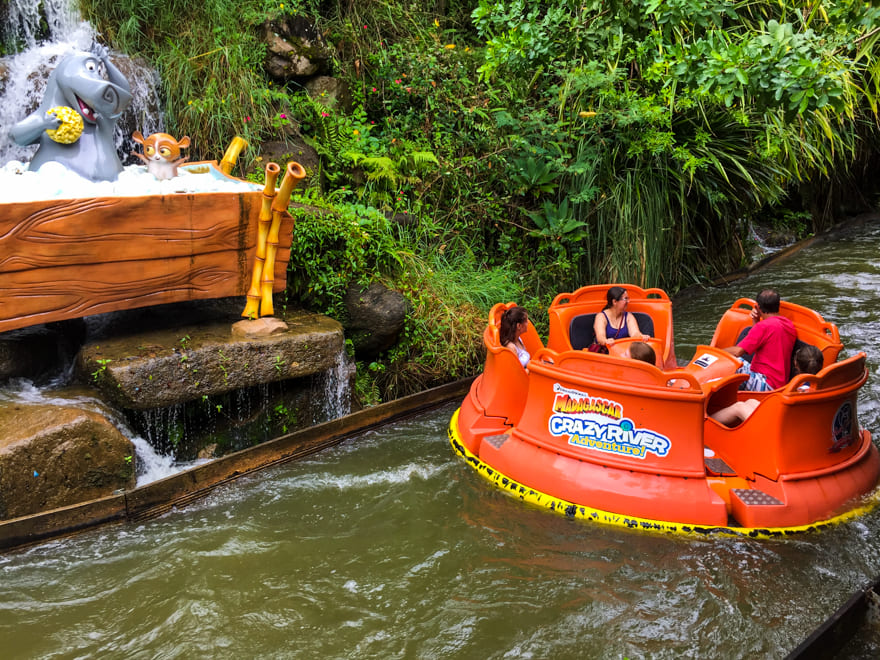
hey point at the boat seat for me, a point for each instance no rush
(581, 333)
(646, 323)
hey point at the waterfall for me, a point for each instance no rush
(336, 400)
(22, 25)
(23, 76)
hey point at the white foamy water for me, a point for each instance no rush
(54, 181)
(152, 466)
(23, 19)
(400, 475)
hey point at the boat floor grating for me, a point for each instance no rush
(754, 497)
(718, 466)
(497, 440)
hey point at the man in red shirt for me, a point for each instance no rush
(770, 342)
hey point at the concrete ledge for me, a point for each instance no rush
(165, 367)
(67, 520)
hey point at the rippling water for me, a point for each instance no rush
(390, 547)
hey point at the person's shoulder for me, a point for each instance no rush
(783, 322)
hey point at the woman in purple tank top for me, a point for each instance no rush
(614, 322)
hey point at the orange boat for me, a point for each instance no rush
(615, 440)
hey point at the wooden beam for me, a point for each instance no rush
(62, 259)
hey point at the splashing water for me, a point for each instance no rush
(23, 20)
(152, 466)
(337, 391)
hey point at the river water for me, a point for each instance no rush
(389, 546)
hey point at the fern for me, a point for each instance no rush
(381, 168)
(423, 159)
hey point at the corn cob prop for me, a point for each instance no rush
(292, 176)
(71, 125)
(253, 296)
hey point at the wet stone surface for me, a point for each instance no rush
(53, 456)
(149, 368)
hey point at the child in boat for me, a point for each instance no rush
(807, 360)
(735, 413)
(639, 350)
(729, 416)
(514, 322)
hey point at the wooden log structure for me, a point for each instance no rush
(62, 259)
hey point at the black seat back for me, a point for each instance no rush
(646, 323)
(580, 332)
(742, 334)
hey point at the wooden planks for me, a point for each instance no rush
(64, 259)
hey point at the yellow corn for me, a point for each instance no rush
(71, 125)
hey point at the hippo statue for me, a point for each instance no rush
(90, 85)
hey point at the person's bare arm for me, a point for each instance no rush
(632, 326)
(599, 329)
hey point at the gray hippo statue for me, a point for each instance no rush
(95, 89)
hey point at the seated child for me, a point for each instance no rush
(735, 413)
(807, 360)
(639, 350)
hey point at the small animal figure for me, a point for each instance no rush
(161, 153)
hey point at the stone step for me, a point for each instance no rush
(153, 367)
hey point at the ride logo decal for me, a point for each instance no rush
(600, 424)
(843, 428)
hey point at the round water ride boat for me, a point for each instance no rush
(619, 441)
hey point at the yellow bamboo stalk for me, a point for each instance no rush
(292, 176)
(231, 155)
(253, 295)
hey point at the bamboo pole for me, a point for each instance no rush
(292, 176)
(231, 155)
(253, 296)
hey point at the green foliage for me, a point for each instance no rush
(450, 298)
(102, 368)
(334, 246)
(210, 59)
(496, 147)
(671, 120)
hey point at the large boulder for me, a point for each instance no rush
(293, 147)
(296, 49)
(329, 91)
(376, 315)
(54, 456)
